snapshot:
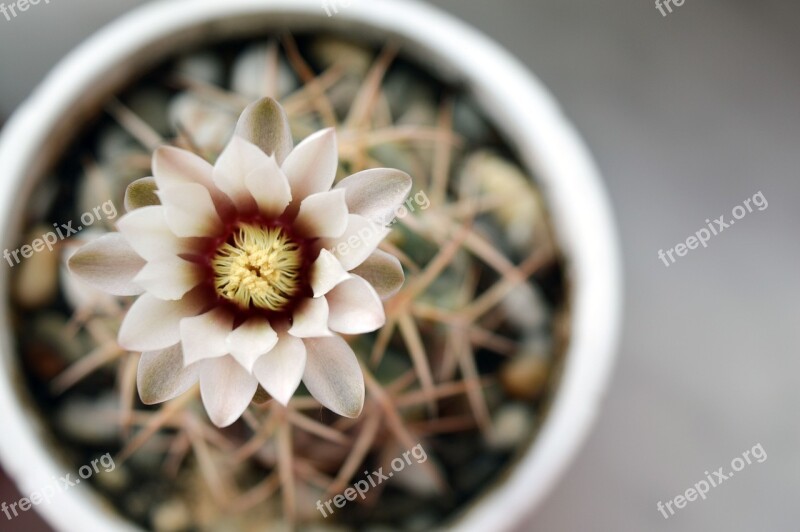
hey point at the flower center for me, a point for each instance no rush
(258, 266)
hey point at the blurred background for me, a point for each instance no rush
(687, 115)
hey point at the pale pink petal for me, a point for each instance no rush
(239, 160)
(310, 318)
(269, 187)
(226, 388)
(357, 242)
(251, 340)
(333, 376)
(78, 293)
(376, 193)
(141, 193)
(153, 324)
(108, 263)
(322, 215)
(172, 166)
(311, 167)
(189, 210)
(265, 124)
(383, 271)
(355, 307)
(326, 272)
(162, 376)
(169, 277)
(279, 372)
(147, 232)
(205, 336)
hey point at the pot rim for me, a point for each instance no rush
(515, 101)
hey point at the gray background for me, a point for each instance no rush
(688, 116)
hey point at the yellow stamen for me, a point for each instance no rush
(261, 267)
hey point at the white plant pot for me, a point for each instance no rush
(510, 96)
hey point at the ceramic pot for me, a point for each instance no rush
(509, 95)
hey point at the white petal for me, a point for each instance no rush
(205, 336)
(250, 340)
(81, 295)
(310, 319)
(189, 210)
(153, 324)
(169, 277)
(383, 271)
(162, 376)
(265, 124)
(326, 272)
(333, 376)
(311, 167)
(376, 193)
(281, 370)
(357, 242)
(226, 388)
(269, 187)
(173, 166)
(141, 193)
(108, 263)
(322, 215)
(355, 307)
(240, 159)
(147, 232)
